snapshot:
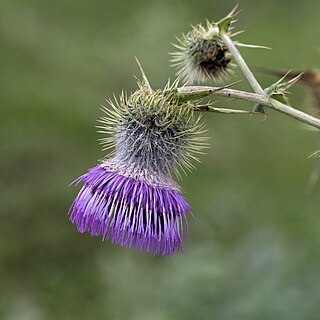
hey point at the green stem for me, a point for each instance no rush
(242, 64)
(263, 98)
(190, 92)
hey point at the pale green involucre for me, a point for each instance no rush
(153, 131)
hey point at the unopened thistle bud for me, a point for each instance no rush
(130, 197)
(202, 55)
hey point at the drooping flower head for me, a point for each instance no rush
(130, 197)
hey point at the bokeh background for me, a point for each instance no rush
(253, 248)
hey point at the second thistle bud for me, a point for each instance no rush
(202, 55)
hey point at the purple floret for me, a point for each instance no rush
(130, 212)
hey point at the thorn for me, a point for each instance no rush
(254, 46)
(144, 77)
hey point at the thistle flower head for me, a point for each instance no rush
(202, 55)
(153, 132)
(131, 197)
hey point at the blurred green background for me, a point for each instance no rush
(253, 248)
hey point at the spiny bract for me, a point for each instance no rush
(152, 132)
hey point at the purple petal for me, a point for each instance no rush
(130, 212)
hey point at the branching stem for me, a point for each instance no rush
(260, 96)
(196, 92)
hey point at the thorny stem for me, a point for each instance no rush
(195, 92)
(260, 96)
(242, 64)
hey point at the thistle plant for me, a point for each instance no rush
(131, 197)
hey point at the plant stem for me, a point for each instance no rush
(260, 95)
(196, 92)
(209, 108)
(242, 64)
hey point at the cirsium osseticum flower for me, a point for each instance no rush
(131, 197)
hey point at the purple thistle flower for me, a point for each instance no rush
(133, 213)
(131, 197)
